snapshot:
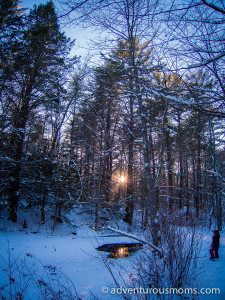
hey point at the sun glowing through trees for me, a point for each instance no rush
(122, 179)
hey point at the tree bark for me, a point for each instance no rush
(129, 210)
(169, 169)
(43, 203)
(17, 143)
(181, 168)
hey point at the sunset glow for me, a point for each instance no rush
(122, 178)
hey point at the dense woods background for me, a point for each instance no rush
(138, 134)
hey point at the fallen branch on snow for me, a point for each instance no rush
(136, 238)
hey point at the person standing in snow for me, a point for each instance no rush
(215, 244)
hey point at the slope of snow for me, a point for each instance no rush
(56, 256)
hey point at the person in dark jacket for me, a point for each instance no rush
(215, 244)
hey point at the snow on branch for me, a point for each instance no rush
(182, 101)
(170, 98)
(136, 238)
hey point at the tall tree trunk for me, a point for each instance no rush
(43, 203)
(152, 156)
(108, 152)
(17, 142)
(181, 169)
(129, 210)
(169, 169)
(216, 184)
(187, 188)
(150, 182)
(198, 197)
(151, 197)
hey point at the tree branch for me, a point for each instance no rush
(136, 238)
(73, 9)
(216, 8)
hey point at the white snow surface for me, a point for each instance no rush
(76, 257)
(212, 272)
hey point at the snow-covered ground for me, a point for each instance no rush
(213, 272)
(69, 254)
(50, 256)
(75, 256)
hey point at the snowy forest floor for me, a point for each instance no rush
(61, 258)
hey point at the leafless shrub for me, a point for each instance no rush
(176, 270)
(22, 279)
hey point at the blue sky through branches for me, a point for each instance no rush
(81, 36)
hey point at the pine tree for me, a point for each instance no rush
(38, 64)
